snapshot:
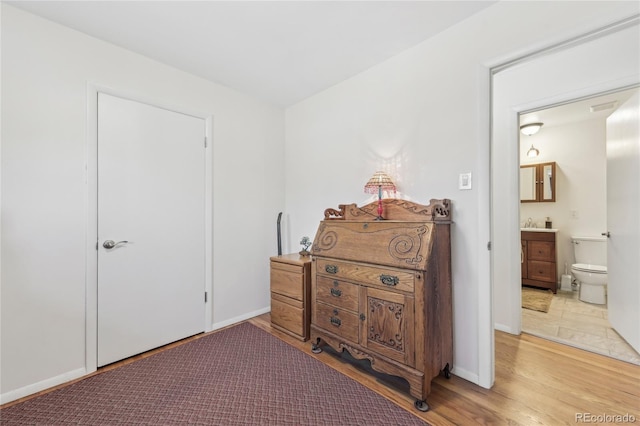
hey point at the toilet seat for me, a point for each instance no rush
(592, 269)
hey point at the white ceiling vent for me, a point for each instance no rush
(604, 106)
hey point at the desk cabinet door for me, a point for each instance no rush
(388, 324)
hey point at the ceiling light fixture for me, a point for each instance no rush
(528, 130)
(531, 128)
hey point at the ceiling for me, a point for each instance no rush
(579, 110)
(278, 51)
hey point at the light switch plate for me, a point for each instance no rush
(464, 182)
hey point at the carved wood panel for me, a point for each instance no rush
(403, 245)
(388, 323)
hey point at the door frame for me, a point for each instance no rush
(91, 205)
(504, 183)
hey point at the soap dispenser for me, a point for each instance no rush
(547, 223)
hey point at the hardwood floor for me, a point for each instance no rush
(538, 382)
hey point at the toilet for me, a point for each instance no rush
(590, 269)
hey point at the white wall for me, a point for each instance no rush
(423, 116)
(45, 70)
(579, 150)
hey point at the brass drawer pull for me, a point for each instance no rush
(336, 321)
(331, 269)
(389, 280)
(335, 292)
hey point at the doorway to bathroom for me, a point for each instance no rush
(572, 137)
(600, 62)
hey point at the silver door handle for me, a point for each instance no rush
(606, 234)
(109, 244)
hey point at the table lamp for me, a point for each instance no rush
(377, 183)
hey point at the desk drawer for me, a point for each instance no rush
(338, 293)
(388, 278)
(338, 321)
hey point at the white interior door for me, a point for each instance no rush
(151, 204)
(623, 220)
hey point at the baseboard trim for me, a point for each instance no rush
(41, 385)
(243, 317)
(505, 328)
(467, 375)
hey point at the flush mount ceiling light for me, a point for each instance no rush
(531, 128)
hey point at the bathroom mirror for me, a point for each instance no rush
(528, 183)
(548, 182)
(538, 183)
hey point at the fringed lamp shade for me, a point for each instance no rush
(378, 182)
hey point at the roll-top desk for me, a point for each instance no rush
(382, 289)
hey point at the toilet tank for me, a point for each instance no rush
(590, 250)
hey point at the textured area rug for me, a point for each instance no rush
(536, 300)
(238, 376)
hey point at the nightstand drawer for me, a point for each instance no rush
(338, 293)
(287, 316)
(287, 283)
(338, 321)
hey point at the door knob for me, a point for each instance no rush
(606, 234)
(109, 244)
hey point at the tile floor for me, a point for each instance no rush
(576, 323)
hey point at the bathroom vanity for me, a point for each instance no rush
(538, 257)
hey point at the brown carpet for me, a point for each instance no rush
(536, 299)
(238, 376)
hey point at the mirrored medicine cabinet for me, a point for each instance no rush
(538, 183)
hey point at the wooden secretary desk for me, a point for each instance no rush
(381, 289)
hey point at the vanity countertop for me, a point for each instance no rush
(538, 230)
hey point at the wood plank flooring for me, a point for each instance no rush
(538, 382)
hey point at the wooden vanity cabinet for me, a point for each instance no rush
(290, 294)
(539, 261)
(538, 183)
(381, 290)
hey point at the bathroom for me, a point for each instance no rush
(573, 137)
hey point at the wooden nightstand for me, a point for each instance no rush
(291, 294)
